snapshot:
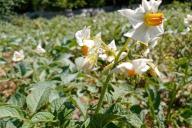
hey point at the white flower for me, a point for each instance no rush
(146, 21)
(18, 56)
(110, 52)
(84, 40)
(137, 66)
(39, 49)
(188, 20)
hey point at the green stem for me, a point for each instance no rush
(172, 99)
(105, 84)
(103, 93)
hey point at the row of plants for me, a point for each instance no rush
(8, 7)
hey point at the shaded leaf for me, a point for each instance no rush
(42, 117)
(7, 111)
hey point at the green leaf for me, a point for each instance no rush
(67, 78)
(54, 94)
(17, 99)
(102, 120)
(39, 96)
(134, 120)
(189, 120)
(10, 125)
(27, 124)
(57, 104)
(2, 61)
(42, 117)
(7, 111)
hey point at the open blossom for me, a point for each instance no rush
(84, 40)
(137, 66)
(109, 53)
(39, 49)
(147, 22)
(18, 56)
(89, 47)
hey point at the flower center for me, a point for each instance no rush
(131, 72)
(153, 19)
(84, 50)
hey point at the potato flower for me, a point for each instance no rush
(137, 66)
(147, 22)
(109, 52)
(39, 49)
(18, 56)
(89, 47)
(84, 40)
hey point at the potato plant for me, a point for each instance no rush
(63, 73)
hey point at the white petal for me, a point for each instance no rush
(18, 56)
(155, 5)
(146, 5)
(125, 66)
(134, 16)
(98, 40)
(82, 35)
(123, 55)
(140, 65)
(110, 58)
(103, 57)
(89, 43)
(112, 45)
(39, 49)
(86, 32)
(142, 68)
(155, 31)
(140, 33)
(138, 61)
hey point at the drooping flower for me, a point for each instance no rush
(147, 22)
(84, 40)
(18, 56)
(89, 47)
(39, 49)
(86, 63)
(137, 66)
(155, 71)
(109, 52)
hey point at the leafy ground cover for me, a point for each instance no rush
(47, 90)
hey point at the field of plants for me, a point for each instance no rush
(68, 72)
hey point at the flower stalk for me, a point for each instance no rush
(106, 83)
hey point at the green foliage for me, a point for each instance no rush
(7, 6)
(8, 111)
(52, 93)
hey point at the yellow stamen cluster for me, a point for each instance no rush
(131, 73)
(84, 50)
(153, 19)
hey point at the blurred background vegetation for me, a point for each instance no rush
(21, 6)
